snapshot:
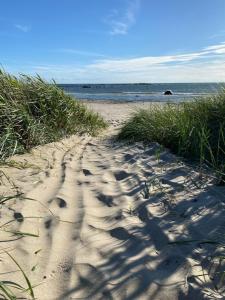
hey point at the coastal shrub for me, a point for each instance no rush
(194, 129)
(34, 112)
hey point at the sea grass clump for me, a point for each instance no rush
(194, 129)
(34, 112)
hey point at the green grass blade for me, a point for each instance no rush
(24, 275)
(7, 292)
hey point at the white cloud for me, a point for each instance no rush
(215, 48)
(148, 62)
(23, 28)
(121, 23)
(206, 65)
(141, 63)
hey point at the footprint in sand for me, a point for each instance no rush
(61, 202)
(120, 175)
(106, 199)
(19, 217)
(48, 223)
(51, 221)
(129, 158)
(86, 172)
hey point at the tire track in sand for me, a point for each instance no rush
(100, 236)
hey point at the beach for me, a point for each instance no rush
(95, 218)
(112, 150)
(116, 112)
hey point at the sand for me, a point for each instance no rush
(116, 113)
(107, 220)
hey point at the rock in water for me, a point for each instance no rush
(168, 92)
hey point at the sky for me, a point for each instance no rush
(114, 41)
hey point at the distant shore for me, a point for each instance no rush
(137, 102)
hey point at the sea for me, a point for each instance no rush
(148, 92)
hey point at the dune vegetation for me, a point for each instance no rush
(34, 112)
(194, 130)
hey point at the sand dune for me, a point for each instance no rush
(112, 221)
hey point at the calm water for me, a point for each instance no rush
(141, 92)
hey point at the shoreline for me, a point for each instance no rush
(86, 101)
(133, 102)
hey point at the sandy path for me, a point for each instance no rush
(117, 113)
(106, 216)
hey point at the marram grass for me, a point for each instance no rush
(194, 130)
(34, 112)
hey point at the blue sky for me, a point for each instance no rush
(114, 41)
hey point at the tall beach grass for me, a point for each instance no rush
(194, 130)
(34, 112)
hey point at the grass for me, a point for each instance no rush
(34, 112)
(194, 130)
(5, 286)
(18, 165)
